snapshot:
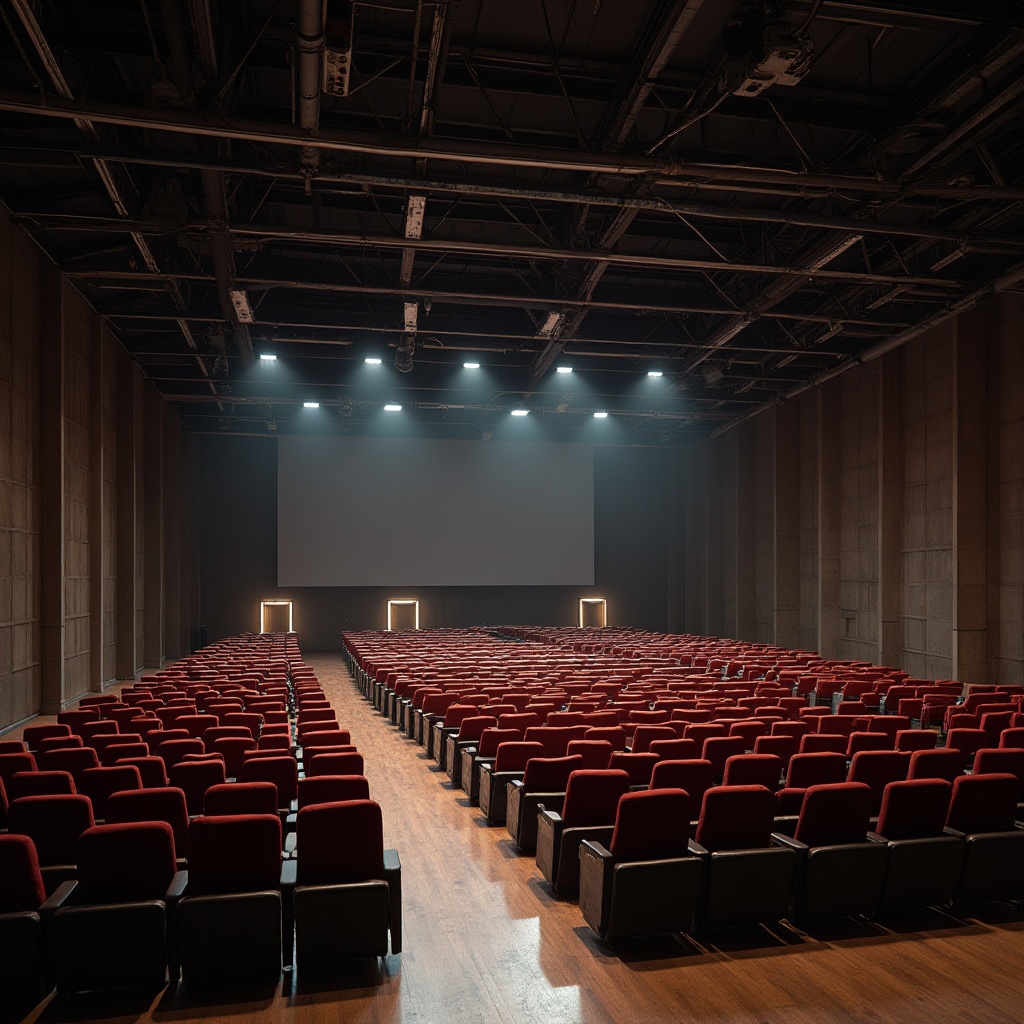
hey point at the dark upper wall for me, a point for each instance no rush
(632, 498)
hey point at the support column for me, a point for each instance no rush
(713, 453)
(153, 527)
(970, 597)
(746, 532)
(97, 471)
(890, 510)
(786, 478)
(695, 554)
(675, 561)
(51, 488)
(126, 660)
(829, 398)
(172, 512)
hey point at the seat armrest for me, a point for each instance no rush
(61, 895)
(515, 783)
(874, 837)
(551, 816)
(947, 831)
(780, 839)
(177, 888)
(696, 849)
(289, 874)
(595, 849)
(393, 876)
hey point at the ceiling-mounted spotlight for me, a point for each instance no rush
(471, 366)
(520, 412)
(600, 415)
(552, 322)
(372, 361)
(655, 373)
(392, 407)
(310, 405)
(267, 357)
(563, 369)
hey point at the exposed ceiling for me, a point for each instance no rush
(744, 196)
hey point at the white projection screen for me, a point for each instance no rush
(404, 512)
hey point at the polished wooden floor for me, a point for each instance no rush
(486, 941)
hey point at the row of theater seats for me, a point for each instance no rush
(209, 875)
(516, 753)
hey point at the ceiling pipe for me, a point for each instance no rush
(485, 153)
(309, 45)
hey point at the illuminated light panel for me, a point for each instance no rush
(392, 407)
(471, 366)
(267, 357)
(600, 415)
(310, 405)
(372, 361)
(654, 373)
(520, 412)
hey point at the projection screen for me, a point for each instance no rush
(376, 512)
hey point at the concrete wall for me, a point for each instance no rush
(73, 446)
(890, 504)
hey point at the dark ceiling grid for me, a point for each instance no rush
(750, 196)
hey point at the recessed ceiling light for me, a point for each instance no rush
(600, 415)
(392, 407)
(267, 357)
(372, 361)
(310, 405)
(654, 373)
(471, 366)
(564, 369)
(520, 412)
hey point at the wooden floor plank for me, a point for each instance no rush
(487, 941)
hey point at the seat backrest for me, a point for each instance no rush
(39, 783)
(240, 798)
(161, 803)
(675, 749)
(878, 768)
(693, 775)
(152, 769)
(173, 751)
(702, 731)
(914, 809)
(125, 862)
(1012, 737)
(282, 771)
(70, 759)
(718, 749)
(550, 774)
(823, 743)
(21, 882)
(53, 822)
(638, 766)
(991, 760)
(651, 825)
(794, 729)
(984, 803)
(614, 734)
(472, 726)
(858, 741)
(350, 763)
(234, 853)
(735, 818)
(328, 789)
(98, 784)
(592, 797)
(115, 752)
(595, 753)
(834, 813)
(938, 763)
(194, 778)
(340, 843)
(784, 747)
(487, 746)
(815, 770)
(753, 770)
(915, 739)
(555, 738)
(645, 735)
(512, 757)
